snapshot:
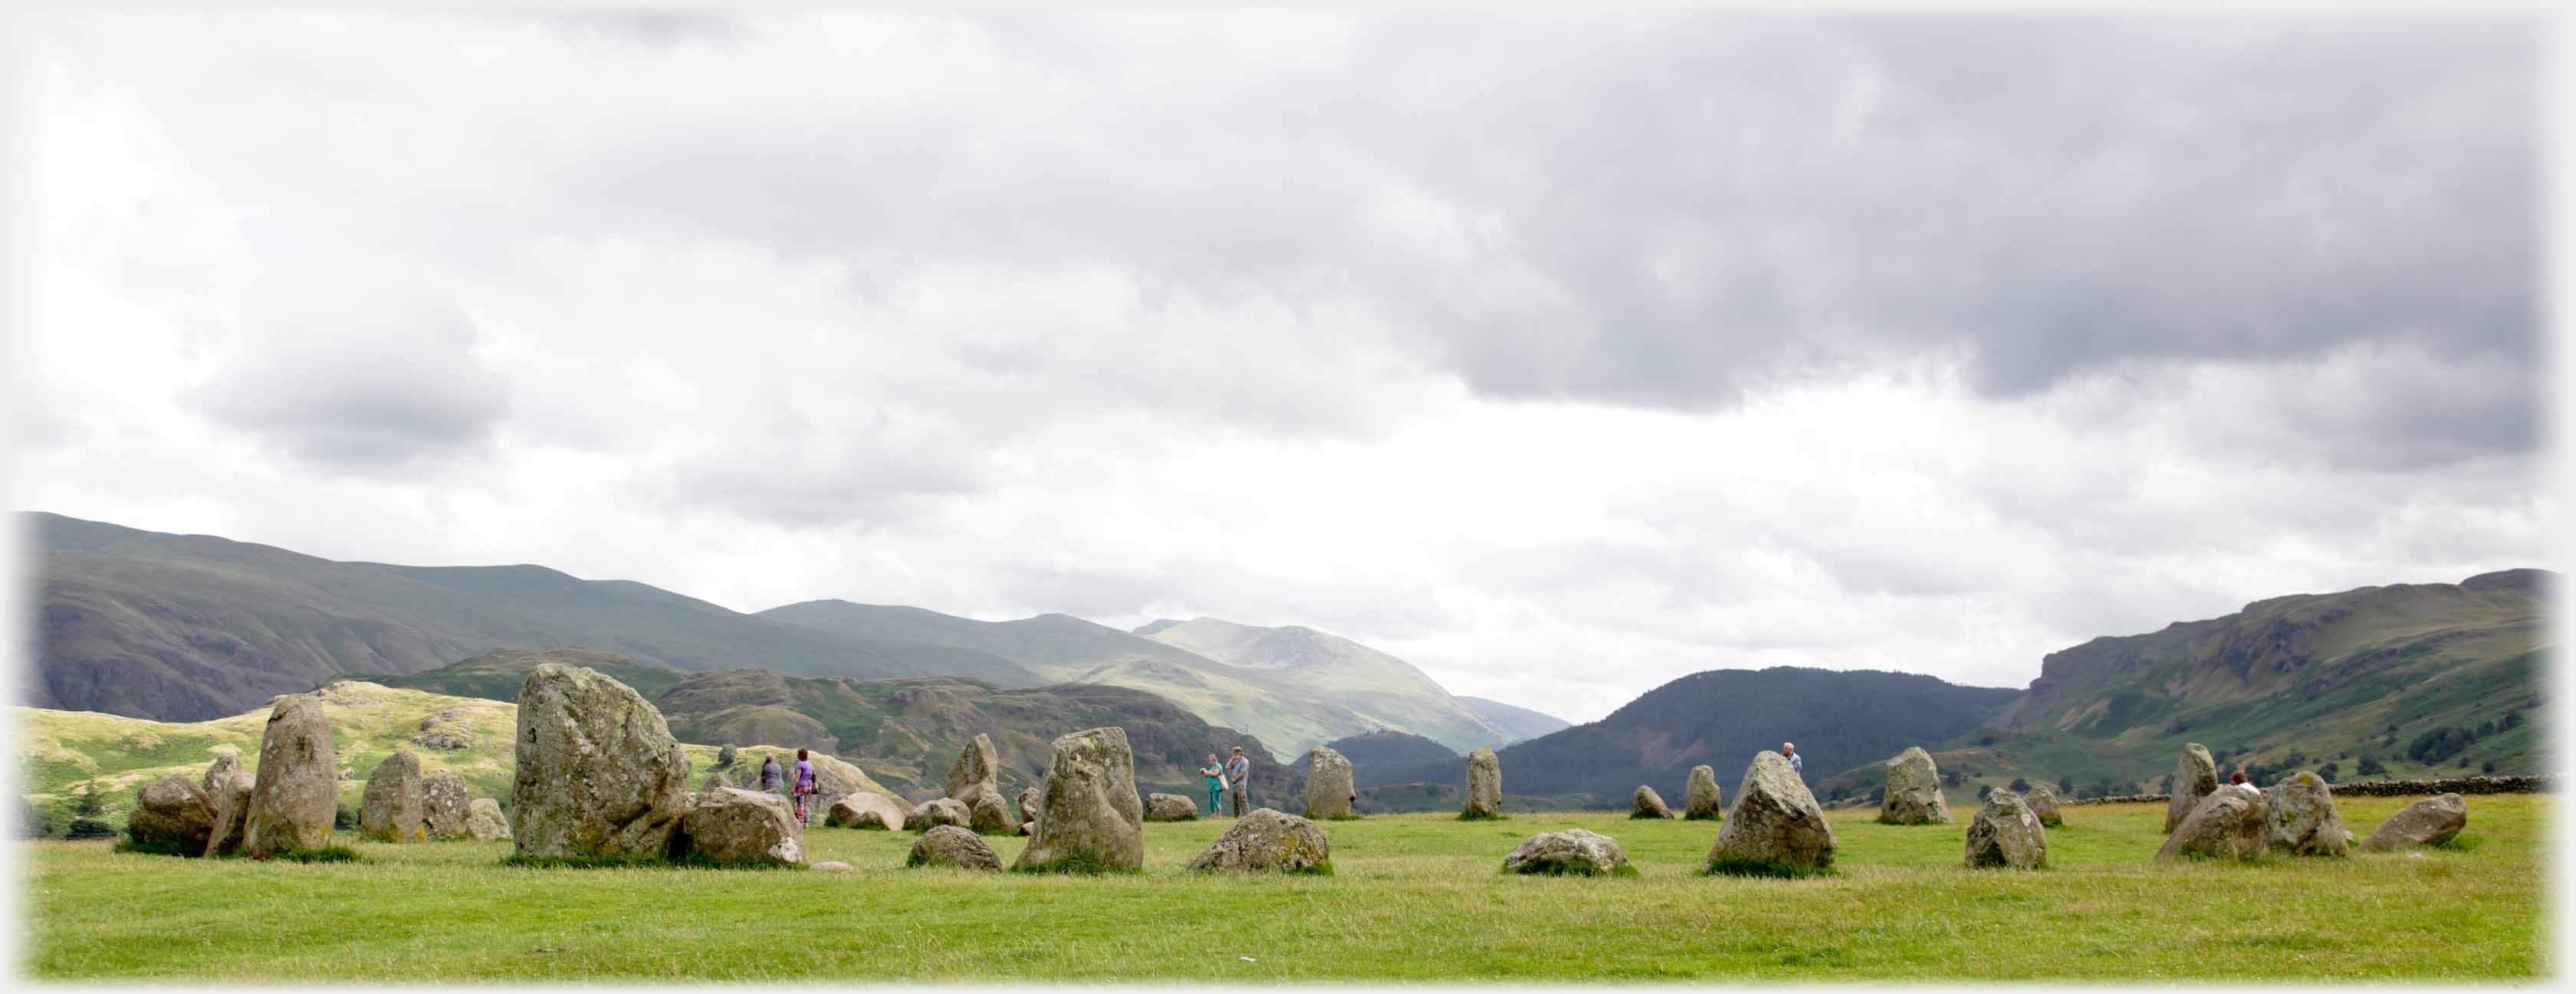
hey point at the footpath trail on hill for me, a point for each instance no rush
(1414, 897)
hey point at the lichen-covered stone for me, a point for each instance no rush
(598, 771)
(484, 821)
(1645, 803)
(1268, 840)
(2228, 824)
(1170, 807)
(715, 779)
(732, 825)
(2300, 811)
(1774, 826)
(1913, 791)
(2428, 822)
(1570, 852)
(1028, 804)
(172, 815)
(444, 802)
(1089, 817)
(1701, 800)
(942, 811)
(974, 781)
(227, 789)
(1484, 785)
(2043, 802)
(953, 845)
(391, 809)
(2195, 777)
(1329, 793)
(865, 810)
(296, 793)
(2007, 833)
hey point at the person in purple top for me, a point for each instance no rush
(804, 787)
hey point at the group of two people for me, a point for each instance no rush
(772, 778)
(1231, 778)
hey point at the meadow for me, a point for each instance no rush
(1413, 898)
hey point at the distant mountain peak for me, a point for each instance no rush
(1156, 625)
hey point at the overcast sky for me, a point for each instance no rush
(1561, 357)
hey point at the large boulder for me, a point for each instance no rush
(2195, 777)
(2228, 824)
(953, 845)
(1913, 791)
(296, 793)
(974, 781)
(1647, 804)
(1701, 800)
(1269, 840)
(1329, 793)
(171, 815)
(1170, 807)
(2428, 822)
(940, 811)
(2007, 833)
(1089, 817)
(2043, 802)
(484, 821)
(732, 825)
(444, 802)
(227, 789)
(865, 809)
(1775, 827)
(598, 772)
(1571, 852)
(2300, 811)
(391, 809)
(1484, 785)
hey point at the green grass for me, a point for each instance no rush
(1414, 898)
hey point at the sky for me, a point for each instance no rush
(1558, 356)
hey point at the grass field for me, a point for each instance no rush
(1415, 897)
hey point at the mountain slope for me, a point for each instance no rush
(1517, 722)
(1381, 758)
(1383, 691)
(192, 626)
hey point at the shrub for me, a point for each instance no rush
(2020, 786)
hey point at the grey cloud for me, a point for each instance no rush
(369, 387)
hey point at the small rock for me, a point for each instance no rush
(1648, 804)
(1572, 851)
(944, 811)
(2007, 833)
(865, 810)
(2043, 802)
(2428, 822)
(172, 815)
(2228, 824)
(953, 845)
(1170, 807)
(1268, 840)
(484, 821)
(1701, 800)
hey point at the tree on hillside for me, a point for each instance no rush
(725, 757)
(2370, 766)
(2020, 786)
(2066, 785)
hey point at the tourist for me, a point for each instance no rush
(772, 778)
(804, 786)
(1215, 775)
(1790, 749)
(2238, 779)
(1238, 776)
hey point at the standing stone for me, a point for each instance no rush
(2195, 776)
(1028, 808)
(1484, 785)
(598, 772)
(1648, 804)
(1913, 791)
(715, 779)
(2301, 814)
(1268, 840)
(953, 845)
(2007, 833)
(1774, 827)
(2428, 822)
(1170, 807)
(943, 811)
(443, 804)
(297, 791)
(2043, 802)
(865, 809)
(484, 821)
(1089, 817)
(227, 789)
(2228, 824)
(1701, 800)
(1328, 784)
(732, 825)
(1573, 852)
(172, 815)
(974, 781)
(391, 809)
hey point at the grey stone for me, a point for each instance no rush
(444, 802)
(953, 845)
(296, 794)
(1701, 800)
(172, 814)
(940, 811)
(2228, 824)
(2195, 777)
(1774, 825)
(1170, 807)
(1645, 803)
(2300, 812)
(484, 821)
(833, 866)
(1089, 816)
(227, 789)
(1329, 793)
(1570, 852)
(865, 809)
(974, 781)
(1268, 840)
(2007, 833)
(732, 825)
(1913, 791)
(2043, 802)
(598, 771)
(391, 810)
(1484, 785)
(2428, 822)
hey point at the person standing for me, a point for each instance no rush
(804, 788)
(1796, 765)
(1238, 779)
(1215, 775)
(772, 777)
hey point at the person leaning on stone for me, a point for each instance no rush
(1790, 749)
(1238, 778)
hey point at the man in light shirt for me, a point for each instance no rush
(1790, 749)
(1238, 775)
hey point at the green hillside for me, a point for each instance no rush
(1375, 689)
(1517, 722)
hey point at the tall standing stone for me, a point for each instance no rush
(1645, 803)
(1701, 800)
(1573, 852)
(2228, 824)
(392, 808)
(1484, 785)
(2043, 802)
(444, 804)
(1775, 826)
(1329, 793)
(2195, 776)
(296, 793)
(2428, 822)
(2007, 833)
(598, 772)
(1913, 791)
(227, 788)
(974, 780)
(2301, 813)
(1090, 817)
